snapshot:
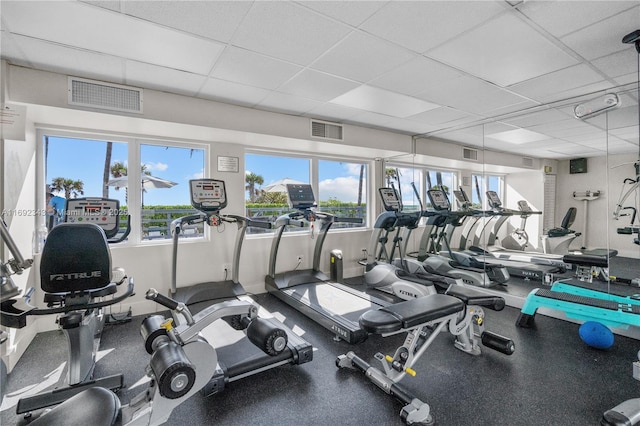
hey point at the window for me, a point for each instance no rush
(440, 179)
(96, 167)
(482, 184)
(341, 188)
(165, 172)
(402, 179)
(342, 191)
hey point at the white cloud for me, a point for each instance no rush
(342, 189)
(159, 167)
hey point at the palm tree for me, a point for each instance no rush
(391, 175)
(252, 179)
(105, 173)
(360, 182)
(69, 186)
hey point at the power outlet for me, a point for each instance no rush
(226, 270)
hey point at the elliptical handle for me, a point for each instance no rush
(152, 294)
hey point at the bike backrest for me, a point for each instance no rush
(569, 217)
(75, 258)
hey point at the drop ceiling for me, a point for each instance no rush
(439, 69)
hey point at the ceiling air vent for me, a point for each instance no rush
(326, 130)
(97, 94)
(527, 162)
(470, 154)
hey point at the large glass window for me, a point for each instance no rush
(165, 172)
(266, 177)
(341, 188)
(85, 167)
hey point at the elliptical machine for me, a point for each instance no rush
(399, 276)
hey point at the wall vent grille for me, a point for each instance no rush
(527, 162)
(326, 130)
(97, 94)
(470, 154)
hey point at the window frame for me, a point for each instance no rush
(134, 199)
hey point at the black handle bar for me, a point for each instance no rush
(167, 302)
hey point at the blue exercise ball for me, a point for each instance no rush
(596, 335)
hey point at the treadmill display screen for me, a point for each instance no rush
(438, 199)
(300, 196)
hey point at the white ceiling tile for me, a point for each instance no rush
(288, 31)
(403, 125)
(114, 5)
(563, 17)
(217, 20)
(558, 81)
(65, 60)
(351, 12)
(317, 85)
(486, 52)
(84, 26)
(621, 148)
(442, 115)
(627, 78)
(627, 133)
(287, 103)
(470, 95)
(227, 91)
(381, 101)
(333, 112)
(163, 79)
(618, 64)
(422, 25)
(574, 149)
(371, 118)
(415, 76)
(517, 136)
(535, 118)
(245, 67)
(605, 37)
(362, 57)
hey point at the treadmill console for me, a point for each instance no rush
(494, 200)
(300, 196)
(104, 212)
(462, 199)
(439, 200)
(390, 199)
(208, 195)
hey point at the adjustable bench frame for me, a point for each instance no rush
(459, 311)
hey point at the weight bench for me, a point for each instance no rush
(459, 311)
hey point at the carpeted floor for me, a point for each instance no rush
(553, 378)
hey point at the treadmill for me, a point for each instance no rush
(237, 356)
(334, 306)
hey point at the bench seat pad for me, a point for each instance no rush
(410, 313)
